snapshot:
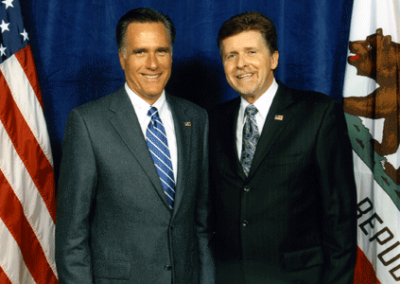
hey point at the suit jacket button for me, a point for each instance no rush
(246, 189)
(167, 267)
(244, 223)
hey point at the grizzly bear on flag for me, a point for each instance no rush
(378, 57)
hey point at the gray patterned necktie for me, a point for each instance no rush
(250, 138)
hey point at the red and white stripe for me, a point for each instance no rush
(27, 191)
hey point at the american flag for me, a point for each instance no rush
(27, 192)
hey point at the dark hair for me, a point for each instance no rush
(143, 15)
(246, 22)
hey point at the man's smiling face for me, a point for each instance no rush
(248, 64)
(146, 58)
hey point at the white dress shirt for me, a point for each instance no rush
(142, 107)
(263, 105)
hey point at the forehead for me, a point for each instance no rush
(243, 40)
(147, 33)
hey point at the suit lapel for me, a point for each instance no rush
(231, 121)
(125, 122)
(273, 125)
(183, 133)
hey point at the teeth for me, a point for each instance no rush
(245, 76)
(152, 76)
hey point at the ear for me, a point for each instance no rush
(121, 59)
(274, 60)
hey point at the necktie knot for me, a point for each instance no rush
(251, 110)
(155, 118)
(153, 112)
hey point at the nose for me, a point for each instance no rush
(241, 61)
(152, 61)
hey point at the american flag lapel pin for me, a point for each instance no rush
(278, 117)
(188, 123)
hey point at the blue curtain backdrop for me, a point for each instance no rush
(76, 56)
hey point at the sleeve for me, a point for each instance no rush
(203, 226)
(338, 191)
(76, 188)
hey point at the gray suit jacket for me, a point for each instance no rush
(114, 224)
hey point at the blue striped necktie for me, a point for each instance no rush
(157, 143)
(250, 138)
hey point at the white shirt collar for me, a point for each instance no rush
(141, 106)
(263, 103)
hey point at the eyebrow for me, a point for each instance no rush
(138, 50)
(165, 49)
(250, 48)
(231, 52)
(245, 49)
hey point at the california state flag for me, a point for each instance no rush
(372, 107)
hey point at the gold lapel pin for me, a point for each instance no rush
(278, 117)
(188, 123)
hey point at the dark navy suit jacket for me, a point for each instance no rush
(293, 219)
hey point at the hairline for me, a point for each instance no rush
(221, 49)
(122, 49)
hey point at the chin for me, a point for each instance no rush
(246, 94)
(247, 91)
(154, 94)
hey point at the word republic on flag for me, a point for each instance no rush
(371, 104)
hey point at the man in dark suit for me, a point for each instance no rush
(133, 189)
(281, 171)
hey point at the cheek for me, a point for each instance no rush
(135, 64)
(166, 62)
(229, 76)
(229, 70)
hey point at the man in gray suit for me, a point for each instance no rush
(133, 187)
